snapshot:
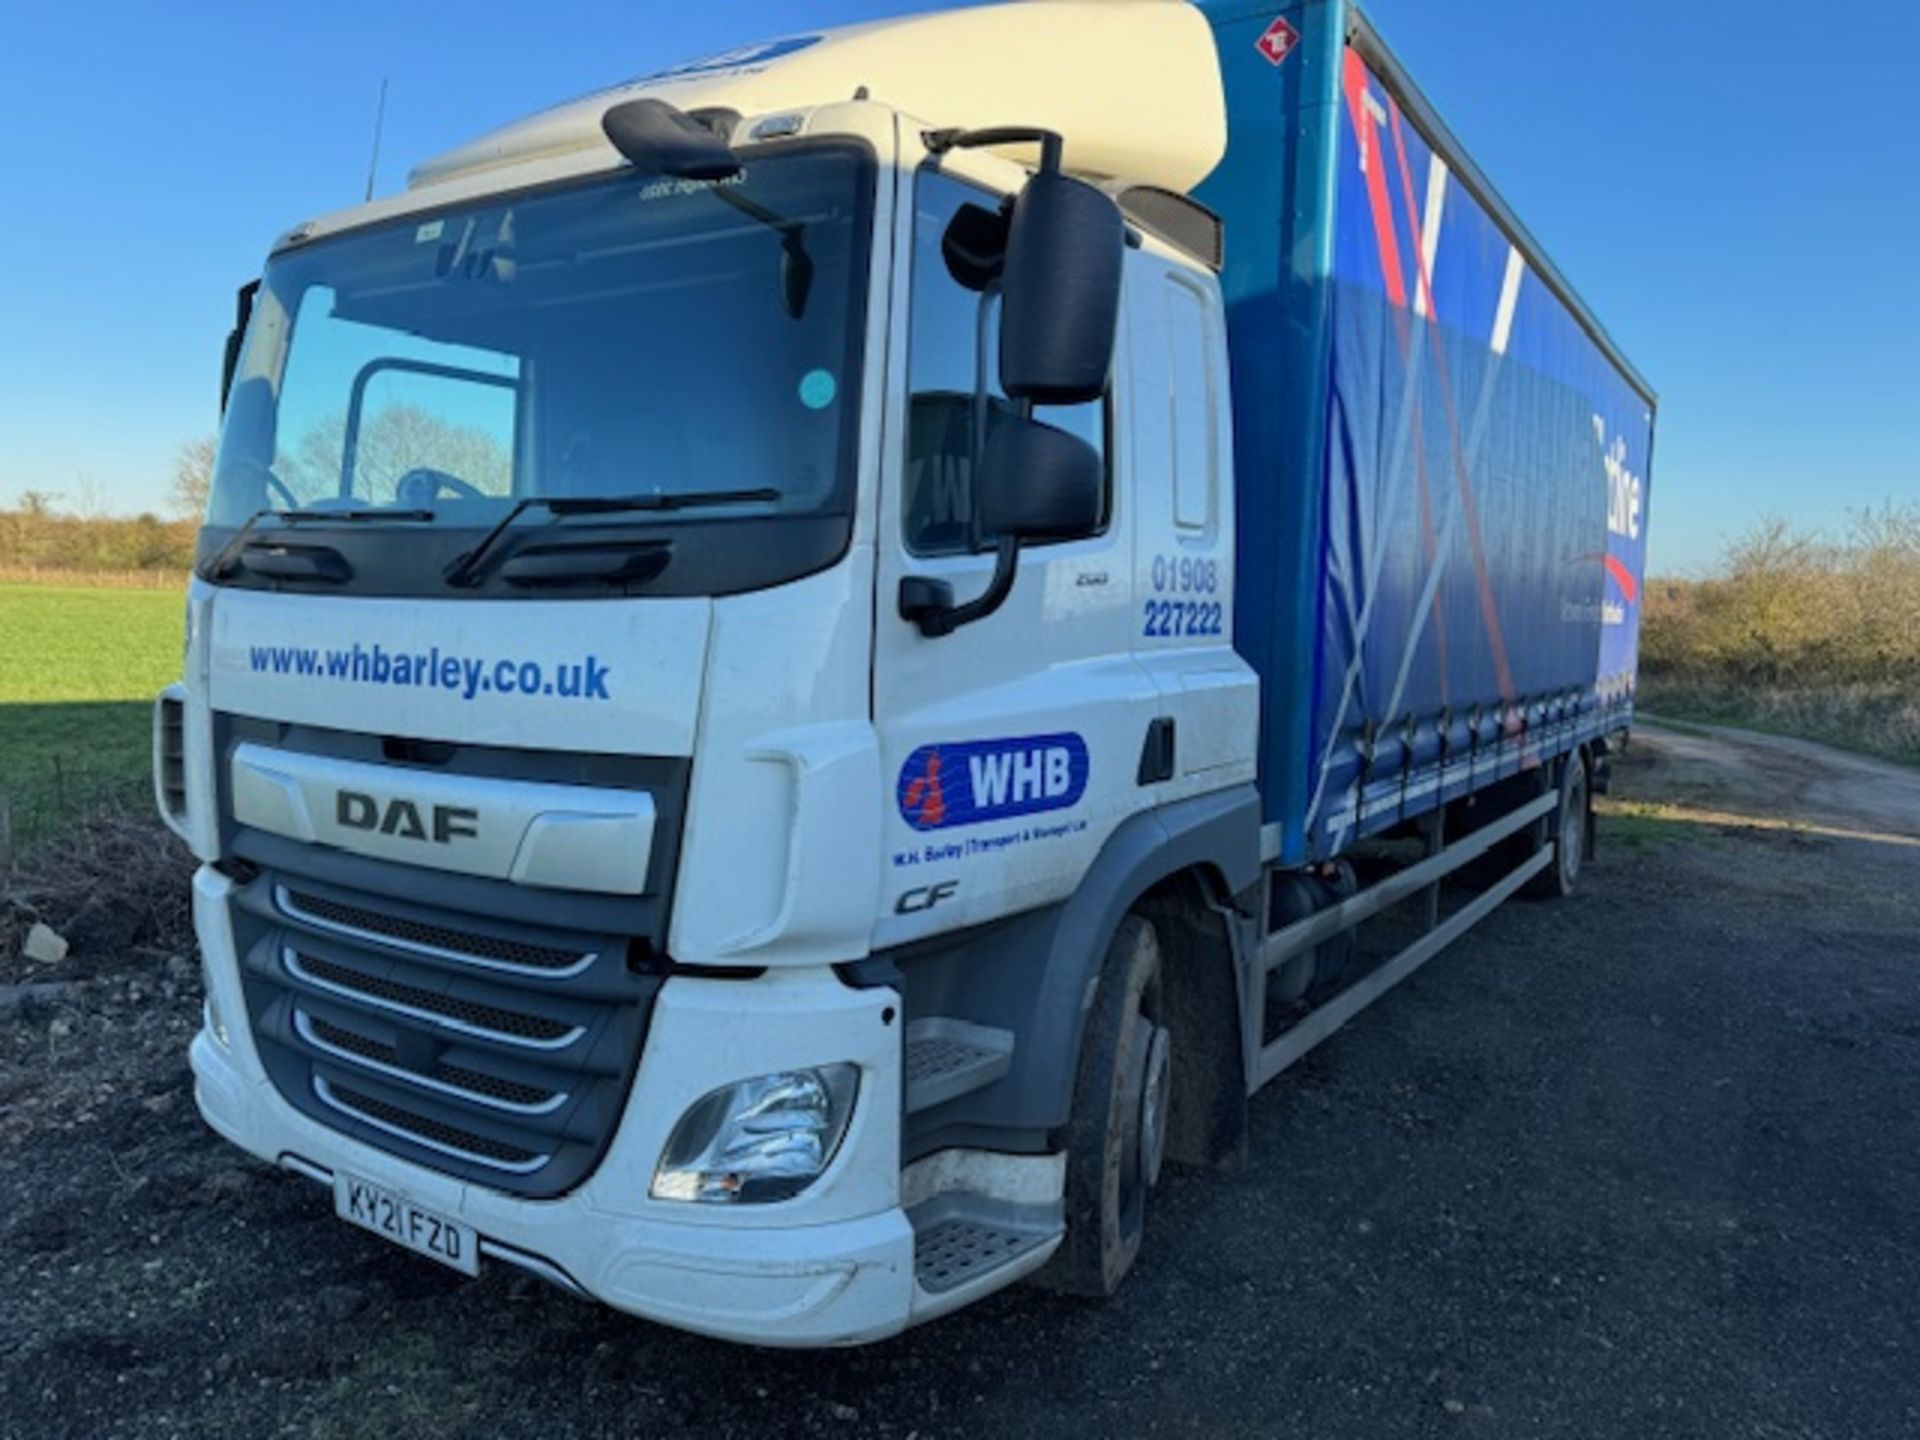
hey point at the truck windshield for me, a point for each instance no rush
(626, 337)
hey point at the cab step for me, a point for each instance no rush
(970, 1241)
(947, 1058)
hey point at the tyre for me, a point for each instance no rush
(1293, 897)
(1117, 1136)
(1568, 827)
(1334, 962)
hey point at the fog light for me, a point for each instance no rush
(760, 1140)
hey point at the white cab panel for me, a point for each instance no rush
(781, 850)
(616, 677)
(1181, 453)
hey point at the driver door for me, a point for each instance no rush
(1011, 748)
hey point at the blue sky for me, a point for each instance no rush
(1734, 187)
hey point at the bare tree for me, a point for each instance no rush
(392, 441)
(192, 476)
(90, 497)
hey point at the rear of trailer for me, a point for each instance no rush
(1442, 458)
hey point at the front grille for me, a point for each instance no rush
(420, 934)
(467, 1014)
(512, 1094)
(493, 1087)
(436, 1133)
(497, 1051)
(353, 1044)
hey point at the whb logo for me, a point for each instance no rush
(980, 780)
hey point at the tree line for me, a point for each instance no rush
(45, 531)
(1798, 631)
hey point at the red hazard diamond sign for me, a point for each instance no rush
(1278, 41)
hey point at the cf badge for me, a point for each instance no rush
(925, 898)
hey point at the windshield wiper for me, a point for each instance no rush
(466, 569)
(224, 564)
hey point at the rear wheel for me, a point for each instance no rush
(1569, 831)
(1117, 1136)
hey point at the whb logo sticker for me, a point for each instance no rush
(981, 780)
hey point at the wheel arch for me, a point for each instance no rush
(1206, 848)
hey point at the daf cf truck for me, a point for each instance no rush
(803, 670)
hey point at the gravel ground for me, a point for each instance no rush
(1644, 1163)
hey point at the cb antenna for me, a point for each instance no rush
(379, 124)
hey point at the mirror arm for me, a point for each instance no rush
(1052, 146)
(928, 603)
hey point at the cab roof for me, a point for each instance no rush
(1133, 85)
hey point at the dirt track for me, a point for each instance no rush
(1645, 1163)
(1793, 781)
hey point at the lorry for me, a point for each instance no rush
(803, 670)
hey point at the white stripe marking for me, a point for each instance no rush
(1509, 300)
(1430, 235)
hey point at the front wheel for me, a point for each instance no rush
(1117, 1136)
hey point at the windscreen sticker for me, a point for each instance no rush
(818, 389)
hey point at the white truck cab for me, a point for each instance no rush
(549, 912)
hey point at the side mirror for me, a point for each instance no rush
(1060, 291)
(1059, 276)
(1038, 483)
(1033, 483)
(236, 337)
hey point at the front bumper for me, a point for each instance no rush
(834, 1265)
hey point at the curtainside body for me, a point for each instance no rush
(1441, 458)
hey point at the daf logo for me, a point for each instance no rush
(399, 817)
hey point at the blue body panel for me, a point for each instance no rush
(1441, 464)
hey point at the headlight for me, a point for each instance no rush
(760, 1140)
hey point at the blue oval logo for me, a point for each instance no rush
(976, 781)
(739, 59)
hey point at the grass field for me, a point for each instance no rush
(78, 671)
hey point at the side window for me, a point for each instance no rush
(953, 372)
(1195, 417)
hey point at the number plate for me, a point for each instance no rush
(362, 1203)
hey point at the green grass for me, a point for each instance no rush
(79, 669)
(1640, 826)
(71, 644)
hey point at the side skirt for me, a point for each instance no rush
(1268, 1058)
